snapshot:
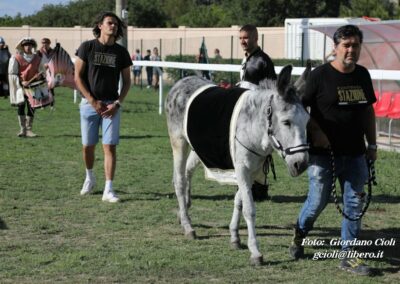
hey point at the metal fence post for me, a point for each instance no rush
(231, 58)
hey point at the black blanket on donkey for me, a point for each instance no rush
(208, 123)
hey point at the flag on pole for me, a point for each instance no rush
(203, 58)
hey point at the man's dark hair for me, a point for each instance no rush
(251, 29)
(347, 31)
(99, 20)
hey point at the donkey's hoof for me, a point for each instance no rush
(191, 235)
(256, 261)
(236, 245)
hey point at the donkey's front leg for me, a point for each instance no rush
(249, 213)
(235, 222)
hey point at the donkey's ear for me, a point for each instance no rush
(300, 84)
(284, 78)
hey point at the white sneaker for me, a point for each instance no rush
(110, 196)
(88, 186)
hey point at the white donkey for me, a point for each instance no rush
(269, 118)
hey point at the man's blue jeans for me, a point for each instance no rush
(352, 173)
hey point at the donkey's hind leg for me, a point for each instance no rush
(192, 162)
(235, 222)
(179, 150)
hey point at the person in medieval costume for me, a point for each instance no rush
(24, 70)
(4, 59)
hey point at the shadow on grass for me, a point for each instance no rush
(214, 197)
(3, 225)
(142, 136)
(156, 195)
(67, 135)
(385, 198)
(288, 199)
(169, 195)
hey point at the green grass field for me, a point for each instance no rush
(49, 233)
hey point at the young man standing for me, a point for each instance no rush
(98, 67)
(340, 95)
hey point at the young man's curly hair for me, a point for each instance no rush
(99, 20)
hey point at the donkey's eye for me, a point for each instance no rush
(287, 123)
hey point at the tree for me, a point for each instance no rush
(204, 13)
(204, 16)
(370, 8)
(175, 9)
(144, 13)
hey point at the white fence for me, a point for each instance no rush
(379, 75)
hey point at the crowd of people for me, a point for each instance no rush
(336, 119)
(152, 73)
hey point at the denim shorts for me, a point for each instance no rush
(91, 122)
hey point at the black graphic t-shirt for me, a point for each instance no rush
(104, 64)
(338, 102)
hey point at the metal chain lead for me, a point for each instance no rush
(371, 180)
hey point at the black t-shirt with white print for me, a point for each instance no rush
(104, 64)
(338, 102)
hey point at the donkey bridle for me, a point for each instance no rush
(275, 142)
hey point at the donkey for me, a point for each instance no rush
(269, 118)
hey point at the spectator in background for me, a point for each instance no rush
(157, 71)
(136, 69)
(217, 55)
(5, 56)
(256, 64)
(149, 69)
(46, 52)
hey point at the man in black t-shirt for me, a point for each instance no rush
(256, 66)
(98, 67)
(340, 96)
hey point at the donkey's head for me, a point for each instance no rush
(288, 121)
